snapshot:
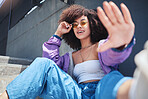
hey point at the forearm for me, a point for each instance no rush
(51, 51)
(58, 34)
(115, 56)
(51, 47)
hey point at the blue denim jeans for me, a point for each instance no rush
(45, 79)
(88, 90)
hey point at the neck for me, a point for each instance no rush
(85, 43)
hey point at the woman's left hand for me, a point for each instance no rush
(120, 26)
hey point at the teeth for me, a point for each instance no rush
(80, 31)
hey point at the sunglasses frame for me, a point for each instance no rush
(82, 23)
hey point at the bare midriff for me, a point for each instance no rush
(88, 81)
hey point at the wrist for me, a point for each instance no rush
(58, 34)
(122, 47)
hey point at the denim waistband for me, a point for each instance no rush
(88, 89)
(94, 82)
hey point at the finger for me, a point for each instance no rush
(104, 19)
(65, 25)
(104, 47)
(109, 12)
(117, 12)
(126, 13)
(70, 26)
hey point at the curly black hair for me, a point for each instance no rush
(74, 12)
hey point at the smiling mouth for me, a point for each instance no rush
(80, 32)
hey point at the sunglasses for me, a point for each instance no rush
(82, 23)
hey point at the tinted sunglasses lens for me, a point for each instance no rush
(83, 23)
(74, 25)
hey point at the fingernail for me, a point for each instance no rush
(111, 3)
(122, 4)
(99, 8)
(105, 2)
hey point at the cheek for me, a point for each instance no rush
(75, 32)
(87, 30)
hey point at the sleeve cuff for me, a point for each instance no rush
(54, 40)
(128, 46)
(57, 37)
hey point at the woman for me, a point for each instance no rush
(93, 64)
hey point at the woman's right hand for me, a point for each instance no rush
(63, 28)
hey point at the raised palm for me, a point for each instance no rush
(119, 25)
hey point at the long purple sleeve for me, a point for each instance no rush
(113, 57)
(51, 51)
(108, 59)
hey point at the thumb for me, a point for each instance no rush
(104, 47)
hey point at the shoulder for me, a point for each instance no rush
(95, 46)
(74, 53)
(97, 43)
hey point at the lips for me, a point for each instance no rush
(81, 31)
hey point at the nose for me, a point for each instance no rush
(79, 26)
